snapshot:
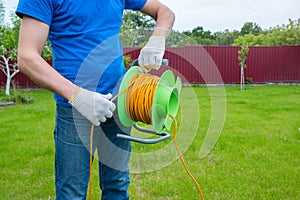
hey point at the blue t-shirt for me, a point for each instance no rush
(84, 36)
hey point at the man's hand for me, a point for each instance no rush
(94, 106)
(152, 54)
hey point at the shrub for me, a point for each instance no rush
(249, 80)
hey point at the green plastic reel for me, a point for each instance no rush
(166, 101)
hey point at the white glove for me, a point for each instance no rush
(94, 106)
(152, 54)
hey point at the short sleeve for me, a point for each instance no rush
(38, 9)
(135, 4)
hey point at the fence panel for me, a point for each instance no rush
(219, 64)
(265, 64)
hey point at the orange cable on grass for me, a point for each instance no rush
(182, 160)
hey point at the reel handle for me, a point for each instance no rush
(163, 136)
(165, 62)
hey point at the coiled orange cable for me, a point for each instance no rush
(138, 103)
(139, 97)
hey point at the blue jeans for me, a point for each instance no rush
(72, 144)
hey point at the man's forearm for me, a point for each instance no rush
(164, 22)
(163, 16)
(39, 71)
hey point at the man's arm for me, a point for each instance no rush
(152, 54)
(33, 35)
(163, 16)
(32, 38)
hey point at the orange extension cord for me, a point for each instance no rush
(139, 98)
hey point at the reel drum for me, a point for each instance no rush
(166, 101)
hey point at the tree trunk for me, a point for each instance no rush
(7, 87)
(242, 77)
(9, 76)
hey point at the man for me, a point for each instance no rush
(87, 65)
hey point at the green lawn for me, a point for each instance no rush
(256, 157)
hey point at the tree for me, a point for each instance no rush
(9, 69)
(251, 27)
(8, 62)
(288, 34)
(8, 50)
(249, 40)
(201, 36)
(177, 39)
(242, 57)
(226, 37)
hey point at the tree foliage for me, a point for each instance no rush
(136, 28)
(250, 34)
(136, 20)
(286, 34)
(226, 37)
(203, 37)
(242, 57)
(2, 13)
(251, 28)
(10, 38)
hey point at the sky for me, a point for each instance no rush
(219, 15)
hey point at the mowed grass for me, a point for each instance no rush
(256, 157)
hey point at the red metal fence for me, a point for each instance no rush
(215, 64)
(219, 64)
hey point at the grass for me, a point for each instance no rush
(26, 149)
(256, 156)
